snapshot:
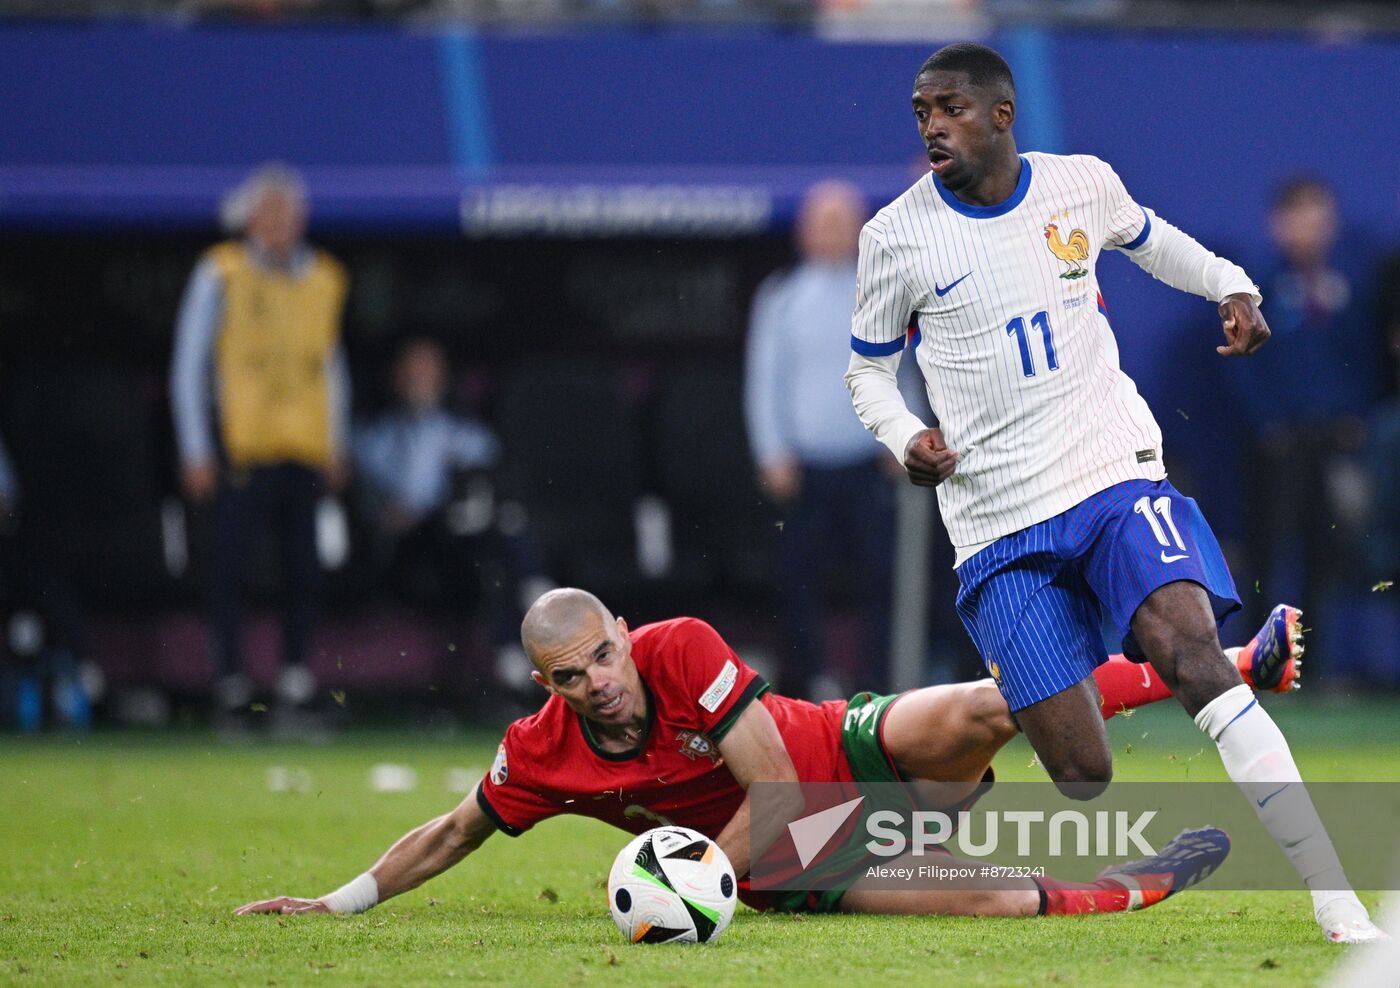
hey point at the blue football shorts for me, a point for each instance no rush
(1032, 600)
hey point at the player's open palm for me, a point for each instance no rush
(282, 904)
(1244, 326)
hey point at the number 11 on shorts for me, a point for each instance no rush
(1150, 509)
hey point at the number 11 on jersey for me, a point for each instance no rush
(1017, 328)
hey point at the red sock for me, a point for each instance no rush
(1124, 685)
(1059, 898)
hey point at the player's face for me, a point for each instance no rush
(828, 227)
(1306, 230)
(422, 376)
(593, 671)
(959, 124)
(277, 223)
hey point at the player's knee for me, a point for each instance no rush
(1085, 776)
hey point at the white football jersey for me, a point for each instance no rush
(1013, 338)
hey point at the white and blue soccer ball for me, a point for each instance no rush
(672, 885)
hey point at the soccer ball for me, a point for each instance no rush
(672, 885)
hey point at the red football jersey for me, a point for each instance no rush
(696, 689)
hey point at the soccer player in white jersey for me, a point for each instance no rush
(1048, 463)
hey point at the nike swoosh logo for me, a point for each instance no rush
(1172, 559)
(940, 292)
(1270, 796)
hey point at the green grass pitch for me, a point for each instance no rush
(125, 856)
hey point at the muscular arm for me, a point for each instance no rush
(754, 751)
(423, 853)
(431, 849)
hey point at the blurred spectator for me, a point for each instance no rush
(1307, 394)
(259, 328)
(814, 459)
(46, 676)
(444, 552)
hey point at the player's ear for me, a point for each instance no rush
(537, 677)
(622, 627)
(1004, 114)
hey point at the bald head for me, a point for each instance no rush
(583, 655)
(557, 617)
(828, 224)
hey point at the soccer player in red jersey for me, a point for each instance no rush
(667, 725)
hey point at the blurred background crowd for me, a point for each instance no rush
(335, 331)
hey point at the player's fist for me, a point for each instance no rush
(928, 459)
(1244, 326)
(282, 904)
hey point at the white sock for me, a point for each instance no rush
(1257, 758)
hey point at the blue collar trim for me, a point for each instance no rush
(1023, 185)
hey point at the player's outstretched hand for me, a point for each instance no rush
(282, 904)
(1244, 326)
(928, 458)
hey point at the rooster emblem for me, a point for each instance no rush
(1076, 250)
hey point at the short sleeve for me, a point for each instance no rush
(884, 304)
(506, 795)
(1129, 225)
(712, 676)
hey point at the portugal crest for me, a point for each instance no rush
(695, 745)
(1071, 251)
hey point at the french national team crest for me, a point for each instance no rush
(1073, 251)
(695, 745)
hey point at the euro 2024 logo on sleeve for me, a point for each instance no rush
(499, 769)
